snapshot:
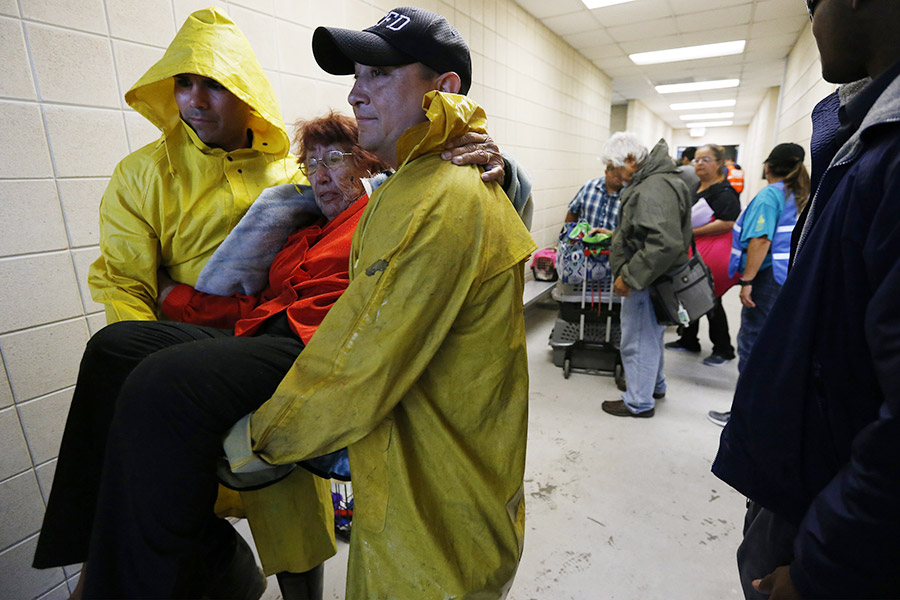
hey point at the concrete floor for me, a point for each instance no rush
(619, 508)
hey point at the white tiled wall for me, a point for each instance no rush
(6, 397)
(618, 118)
(761, 136)
(647, 126)
(64, 126)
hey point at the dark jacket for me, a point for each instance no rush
(654, 229)
(814, 434)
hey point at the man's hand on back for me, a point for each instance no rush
(476, 149)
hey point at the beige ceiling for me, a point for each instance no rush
(608, 35)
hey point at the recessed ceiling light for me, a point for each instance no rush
(709, 124)
(602, 3)
(696, 86)
(688, 53)
(702, 105)
(709, 116)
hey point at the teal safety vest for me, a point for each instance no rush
(781, 244)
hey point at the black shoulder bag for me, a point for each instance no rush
(685, 293)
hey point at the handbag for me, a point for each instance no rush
(685, 293)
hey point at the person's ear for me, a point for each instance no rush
(448, 82)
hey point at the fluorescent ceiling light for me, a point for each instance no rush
(702, 105)
(602, 3)
(697, 86)
(708, 116)
(709, 124)
(688, 53)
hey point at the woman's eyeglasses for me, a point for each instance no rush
(331, 159)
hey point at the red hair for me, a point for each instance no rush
(335, 129)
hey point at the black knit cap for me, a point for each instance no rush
(785, 156)
(403, 36)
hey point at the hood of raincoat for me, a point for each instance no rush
(211, 45)
(449, 116)
(658, 161)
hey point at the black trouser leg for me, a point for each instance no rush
(108, 359)
(718, 330)
(688, 334)
(302, 586)
(768, 544)
(155, 524)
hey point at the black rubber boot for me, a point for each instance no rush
(238, 577)
(302, 586)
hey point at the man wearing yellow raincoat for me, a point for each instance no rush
(171, 203)
(420, 368)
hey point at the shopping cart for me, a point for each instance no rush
(587, 334)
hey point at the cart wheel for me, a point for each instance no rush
(619, 376)
(567, 368)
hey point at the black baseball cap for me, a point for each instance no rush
(786, 156)
(403, 36)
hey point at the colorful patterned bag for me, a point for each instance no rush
(578, 261)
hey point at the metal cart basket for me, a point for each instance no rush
(587, 333)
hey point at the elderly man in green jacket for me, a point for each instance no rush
(653, 236)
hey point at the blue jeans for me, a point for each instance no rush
(642, 352)
(764, 293)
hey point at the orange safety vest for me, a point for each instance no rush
(736, 178)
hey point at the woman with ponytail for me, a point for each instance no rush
(761, 245)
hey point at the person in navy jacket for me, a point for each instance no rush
(814, 435)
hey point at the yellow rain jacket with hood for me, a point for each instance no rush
(420, 368)
(170, 204)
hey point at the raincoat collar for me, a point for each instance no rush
(449, 116)
(201, 145)
(211, 45)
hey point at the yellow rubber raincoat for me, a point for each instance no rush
(170, 204)
(420, 369)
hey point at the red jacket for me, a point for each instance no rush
(307, 276)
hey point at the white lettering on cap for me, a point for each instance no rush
(394, 21)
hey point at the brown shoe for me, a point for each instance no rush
(618, 409)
